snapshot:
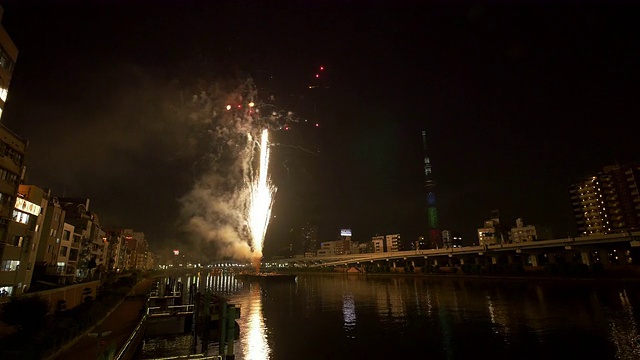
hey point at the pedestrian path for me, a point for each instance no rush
(114, 330)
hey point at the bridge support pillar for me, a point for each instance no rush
(510, 258)
(585, 256)
(534, 259)
(461, 261)
(552, 258)
(570, 257)
(494, 260)
(435, 262)
(604, 256)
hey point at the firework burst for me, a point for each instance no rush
(230, 204)
(261, 196)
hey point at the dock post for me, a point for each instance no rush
(223, 327)
(231, 333)
(206, 321)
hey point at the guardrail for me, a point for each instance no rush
(192, 356)
(155, 293)
(170, 310)
(129, 347)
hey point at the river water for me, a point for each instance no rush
(340, 316)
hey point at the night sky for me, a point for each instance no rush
(518, 101)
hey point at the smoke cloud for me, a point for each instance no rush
(228, 124)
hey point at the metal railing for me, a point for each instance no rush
(170, 310)
(130, 345)
(192, 356)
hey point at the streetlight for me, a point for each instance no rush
(98, 336)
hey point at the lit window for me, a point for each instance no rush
(19, 216)
(10, 265)
(15, 241)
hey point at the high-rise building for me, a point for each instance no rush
(378, 243)
(345, 246)
(608, 202)
(21, 239)
(522, 233)
(309, 239)
(138, 248)
(12, 156)
(328, 248)
(451, 239)
(117, 254)
(386, 243)
(13, 150)
(494, 231)
(48, 267)
(8, 56)
(434, 234)
(392, 242)
(89, 240)
(68, 254)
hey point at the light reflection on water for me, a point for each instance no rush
(315, 318)
(349, 312)
(624, 330)
(253, 337)
(252, 342)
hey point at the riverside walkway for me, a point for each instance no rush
(116, 327)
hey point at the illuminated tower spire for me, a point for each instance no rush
(434, 234)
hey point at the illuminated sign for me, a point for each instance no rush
(27, 206)
(345, 232)
(176, 252)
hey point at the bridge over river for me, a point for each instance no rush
(622, 248)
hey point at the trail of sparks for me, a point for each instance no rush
(261, 201)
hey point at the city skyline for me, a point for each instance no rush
(518, 102)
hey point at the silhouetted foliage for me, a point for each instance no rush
(92, 263)
(26, 312)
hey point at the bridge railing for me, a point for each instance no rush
(567, 243)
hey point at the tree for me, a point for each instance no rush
(26, 312)
(91, 264)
